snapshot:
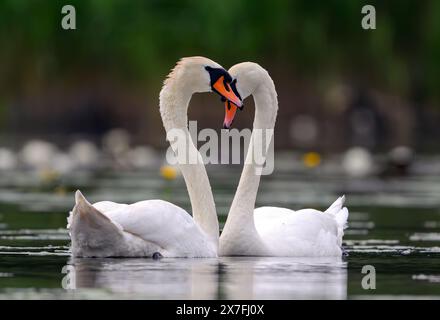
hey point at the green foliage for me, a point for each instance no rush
(141, 40)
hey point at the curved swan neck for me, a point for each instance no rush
(266, 106)
(240, 222)
(174, 100)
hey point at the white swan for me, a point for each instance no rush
(157, 228)
(272, 231)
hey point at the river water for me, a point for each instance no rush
(394, 227)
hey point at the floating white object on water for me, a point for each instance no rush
(8, 160)
(116, 144)
(401, 155)
(425, 277)
(362, 224)
(143, 157)
(38, 154)
(6, 275)
(304, 130)
(84, 154)
(116, 141)
(425, 236)
(62, 163)
(358, 162)
(431, 224)
(370, 242)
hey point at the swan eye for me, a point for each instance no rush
(234, 88)
(216, 73)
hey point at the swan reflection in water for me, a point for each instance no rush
(222, 278)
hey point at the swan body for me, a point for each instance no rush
(305, 232)
(141, 229)
(156, 228)
(273, 231)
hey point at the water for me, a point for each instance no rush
(394, 226)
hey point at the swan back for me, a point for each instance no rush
(301, 233)
(108, 229)
(93, 234)
(166, 225)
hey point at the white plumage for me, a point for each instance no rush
(108, 229)
(306, 232)
(273, 231)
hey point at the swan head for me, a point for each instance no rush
(200, 74)
(247, 77)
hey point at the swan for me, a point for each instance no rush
(272, 231)
(157, 228)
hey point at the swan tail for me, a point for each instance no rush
(340, 214)
(342, 218)
(336, 206)
(92, 233)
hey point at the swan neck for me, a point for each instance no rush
(240, 220)
(174, 100)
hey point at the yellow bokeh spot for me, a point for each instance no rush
(48, 176)
(60, 191)
(311, 159)
(168, 172)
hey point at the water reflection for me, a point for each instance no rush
(284, 278)
(224, 278)
(394, 225)
(149, 279)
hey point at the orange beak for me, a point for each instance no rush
(230, 110)
(224, 89)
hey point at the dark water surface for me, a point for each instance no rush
(394, 227)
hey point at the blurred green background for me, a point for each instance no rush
(338, 84)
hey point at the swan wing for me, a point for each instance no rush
(92, 233)
(137, 229)
(164, 224)
(306, 232)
